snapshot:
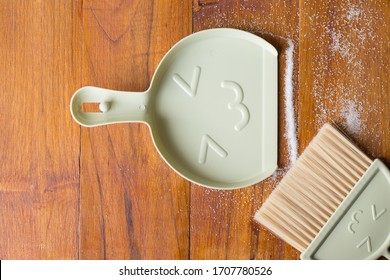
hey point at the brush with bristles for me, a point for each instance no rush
(334, 203)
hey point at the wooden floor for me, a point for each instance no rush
(68, 192)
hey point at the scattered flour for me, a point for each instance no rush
(341, 78)
(291, 127)
(354, 12)
(351, 114)
(340, 44)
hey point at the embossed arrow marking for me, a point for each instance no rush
(366, 240)
(376, 216)
(207, 142)
(190, 90)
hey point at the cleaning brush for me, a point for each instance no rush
(334, 203)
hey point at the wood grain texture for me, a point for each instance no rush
(344, 66)
(222, 224)
(104, 193)
(39, 179)
(133, 206)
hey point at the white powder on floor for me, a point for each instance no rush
(340, 44)
(354, 12)
(351, 115)
(351, 47)
(291, 127)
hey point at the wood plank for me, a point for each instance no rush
(133, 205)
(222, 225)
(344, 64)
(39, 179)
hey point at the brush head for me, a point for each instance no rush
(313, 188)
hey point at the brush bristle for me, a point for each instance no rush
(313, 188)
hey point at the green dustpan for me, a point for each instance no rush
(211, 108)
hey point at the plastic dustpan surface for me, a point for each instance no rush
(211, 108)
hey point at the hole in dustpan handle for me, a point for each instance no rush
(89, 107)
(114, 106)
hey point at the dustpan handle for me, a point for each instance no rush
(115, 106)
